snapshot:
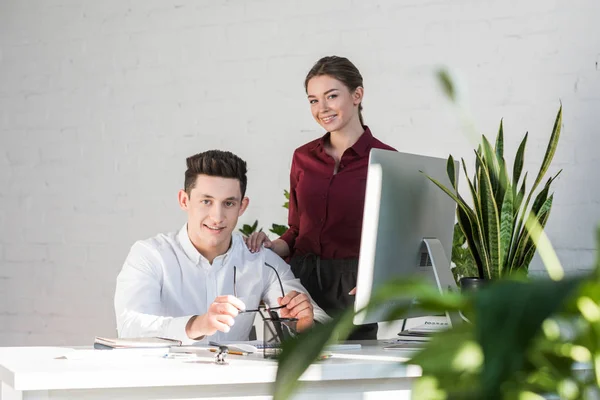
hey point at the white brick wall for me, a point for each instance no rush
(101, 101)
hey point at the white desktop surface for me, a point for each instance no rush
(35, 373)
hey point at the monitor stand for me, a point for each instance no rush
(433, 264)
(433, 257)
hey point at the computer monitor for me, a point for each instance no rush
(407, 228)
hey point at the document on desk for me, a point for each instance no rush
(253, 346)
(141, 342)
(408, 345)
(125, 353)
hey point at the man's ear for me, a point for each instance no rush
(357, 96)
(245, 202)
(183, 199)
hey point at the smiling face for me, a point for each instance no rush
(213, 206)
(332, 104)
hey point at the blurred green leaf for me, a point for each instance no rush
(298, 353)
(447, 84)
(461, 256)
(248, 230)
(278, 229)
(454, 361)
(508, 315)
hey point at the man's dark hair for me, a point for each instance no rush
(215, 163)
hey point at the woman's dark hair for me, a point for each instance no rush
(341, 69)
(215, 163)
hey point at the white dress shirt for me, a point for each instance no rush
(165, 281)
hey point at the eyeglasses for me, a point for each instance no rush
(275, 329)
(266, 306)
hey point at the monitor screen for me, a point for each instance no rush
(402, 208)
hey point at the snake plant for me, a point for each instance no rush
(495, 225)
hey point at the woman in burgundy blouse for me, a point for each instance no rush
(327, 191)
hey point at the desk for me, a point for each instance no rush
(34, 373)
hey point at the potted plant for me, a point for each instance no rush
(495, 226)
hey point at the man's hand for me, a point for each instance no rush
(298, 305)
(220, 317)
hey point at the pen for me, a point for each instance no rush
(179, 355)
(236, 353)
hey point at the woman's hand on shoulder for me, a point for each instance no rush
(256, 240)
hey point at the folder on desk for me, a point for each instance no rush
(128, 343)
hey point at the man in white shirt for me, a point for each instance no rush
(197, 282)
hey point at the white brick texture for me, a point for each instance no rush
(101, 101)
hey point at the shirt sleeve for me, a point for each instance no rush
(137, 299)
(293, 221)
(273, 291)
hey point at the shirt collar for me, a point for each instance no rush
(190, 250)
(187, 246)
(361, 147)
(364, 143)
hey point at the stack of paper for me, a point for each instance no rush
(126, 343)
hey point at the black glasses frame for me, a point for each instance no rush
(266, 307)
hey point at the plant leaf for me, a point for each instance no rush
(278, 229)
(517, 233)
(519, 160)
(473, 245)
(447, 84)
(287, 197)
(451, 172)
(524, 239)
(476, 176)
(471, 215)
(491, 223)
(459, 201)
(475, 235)
(520, 195)
(297, 354)
(247, 230)
(420, 293)
(452, 360)
(509, 314)
(491, 163)
(530, 251)
(500, 142)
(503, 182)
(542, 216)
(506, 229)
(550, 150)
(462, 256)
